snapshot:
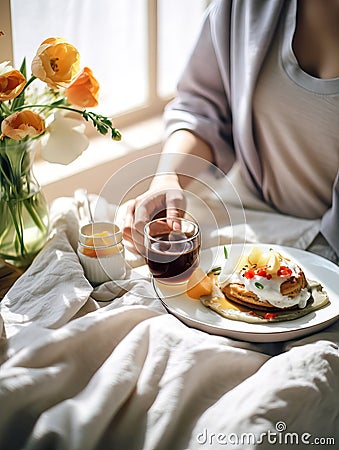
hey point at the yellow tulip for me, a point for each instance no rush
(84, 90)
(21, 124)
(11, 84)
(56, 62)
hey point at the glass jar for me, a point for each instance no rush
(101, 252)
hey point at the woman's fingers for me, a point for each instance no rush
(129, 219)
(170, 202)
(146, 208)
(128, 224)
(175, 207)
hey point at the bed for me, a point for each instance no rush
(110, 368)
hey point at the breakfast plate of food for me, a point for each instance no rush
(256, 293)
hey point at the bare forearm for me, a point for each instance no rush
(184, 155)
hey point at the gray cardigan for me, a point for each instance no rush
(215, 91)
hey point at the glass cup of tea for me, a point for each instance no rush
(172, 254)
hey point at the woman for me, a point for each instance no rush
(261, 88)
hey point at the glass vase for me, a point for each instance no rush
(24, 218)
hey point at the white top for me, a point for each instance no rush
(310, 156)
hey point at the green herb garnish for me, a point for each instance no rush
(216, 270)
(225, 252)
(259, 285)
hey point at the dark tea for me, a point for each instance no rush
(172, 255)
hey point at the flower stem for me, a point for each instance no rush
(3, 107)
(29, 82)
(101, 123)
(34, 214)
(24, 213)
(19, 237)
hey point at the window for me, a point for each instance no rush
(136, 48)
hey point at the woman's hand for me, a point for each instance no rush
(165, 197)
(184, 155)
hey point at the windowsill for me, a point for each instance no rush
(102, 158)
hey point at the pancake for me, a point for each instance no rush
(229, 309)
(292, 287)
(267, 281)
(262, 287)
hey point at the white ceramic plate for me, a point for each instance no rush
(196, 315)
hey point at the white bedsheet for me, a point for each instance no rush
(79, 373)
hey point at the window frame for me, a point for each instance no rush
(143, 120)
(6, 41)
(153, 105)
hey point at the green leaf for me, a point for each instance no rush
(23, 67)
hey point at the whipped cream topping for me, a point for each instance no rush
(268, 290)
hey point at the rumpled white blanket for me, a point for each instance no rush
(109, 368)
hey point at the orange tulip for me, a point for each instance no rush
(56, 62)
(11, 84)
(21, 124)
(84, 90)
